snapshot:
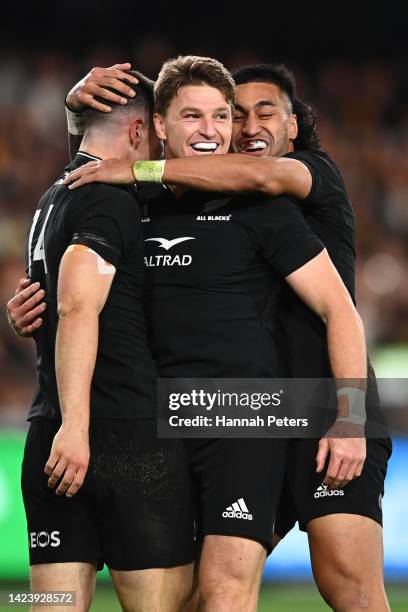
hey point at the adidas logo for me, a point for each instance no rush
(238, 510)
(323, 491)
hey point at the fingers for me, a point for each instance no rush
(77, 482)
(85, 169)
(101, 78)
(322, 455)
(57, 472)
(31, 315)
(118, 71)
(67, 479)
(350, 474)
(23, 295)
(25, 308)
(89, 100)
(341, 477)
(119, 85)
(332, 470)
(22, 284)
(30, 329)
(30, 304)
(81, 179)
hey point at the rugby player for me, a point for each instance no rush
(208, 301)
(98, 486)
(267, 109)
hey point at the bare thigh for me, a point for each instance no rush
(78, 577)
(230, 573)
(154, 590)
(347, 559)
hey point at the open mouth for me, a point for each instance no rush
(253, 146)
(205, 147)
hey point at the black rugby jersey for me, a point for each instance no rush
(105, 218)
(301, 335)
(328, 211)
(212, 265)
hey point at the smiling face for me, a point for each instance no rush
(263, 123)
(198, 121)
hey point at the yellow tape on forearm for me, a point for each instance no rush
(149, 171)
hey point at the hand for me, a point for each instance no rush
(25, 308)
(347, 447)
(113, 171)
(69, 460)
(95, 83)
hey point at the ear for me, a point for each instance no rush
(160, 127)
(135, 133)
(292, 127)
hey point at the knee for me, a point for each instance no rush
(345, 591)
(221, 588)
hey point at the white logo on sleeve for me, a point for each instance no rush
(168, 244)
(324, 491)
(154, 261)
(238, 510)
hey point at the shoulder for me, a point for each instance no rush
(259, 210)
(258, 201)
(100, 198)
(317, 161)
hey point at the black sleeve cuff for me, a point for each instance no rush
(99, 245)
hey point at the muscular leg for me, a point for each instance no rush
(230, 574)
(154, 590)
(78, 577)
(347, 559)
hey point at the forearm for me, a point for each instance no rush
(348, 360)
(232, 172)
(76, 350)
(346, 344)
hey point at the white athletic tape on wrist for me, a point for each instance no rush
(149, 171)
(356, 403)
(75, 122)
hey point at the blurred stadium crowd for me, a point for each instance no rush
(362, 122)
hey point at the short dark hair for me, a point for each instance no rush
(191, 70)
(282, 77)
(143, 100)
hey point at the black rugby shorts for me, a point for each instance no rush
(133, 511)
(304, 497)
(237, 484)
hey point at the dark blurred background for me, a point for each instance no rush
(350, 60)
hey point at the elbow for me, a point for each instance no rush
(68, 308)
(64, 308)
(261, 180)
(343, 310)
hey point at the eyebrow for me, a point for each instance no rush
(198, 110)
(259, 104)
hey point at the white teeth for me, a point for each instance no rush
(255, 145)
(205, 146)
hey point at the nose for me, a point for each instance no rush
(251, 126)
(207, 128)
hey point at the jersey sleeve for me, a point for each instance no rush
(326, 177)
(282, 234)
(107, 220)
